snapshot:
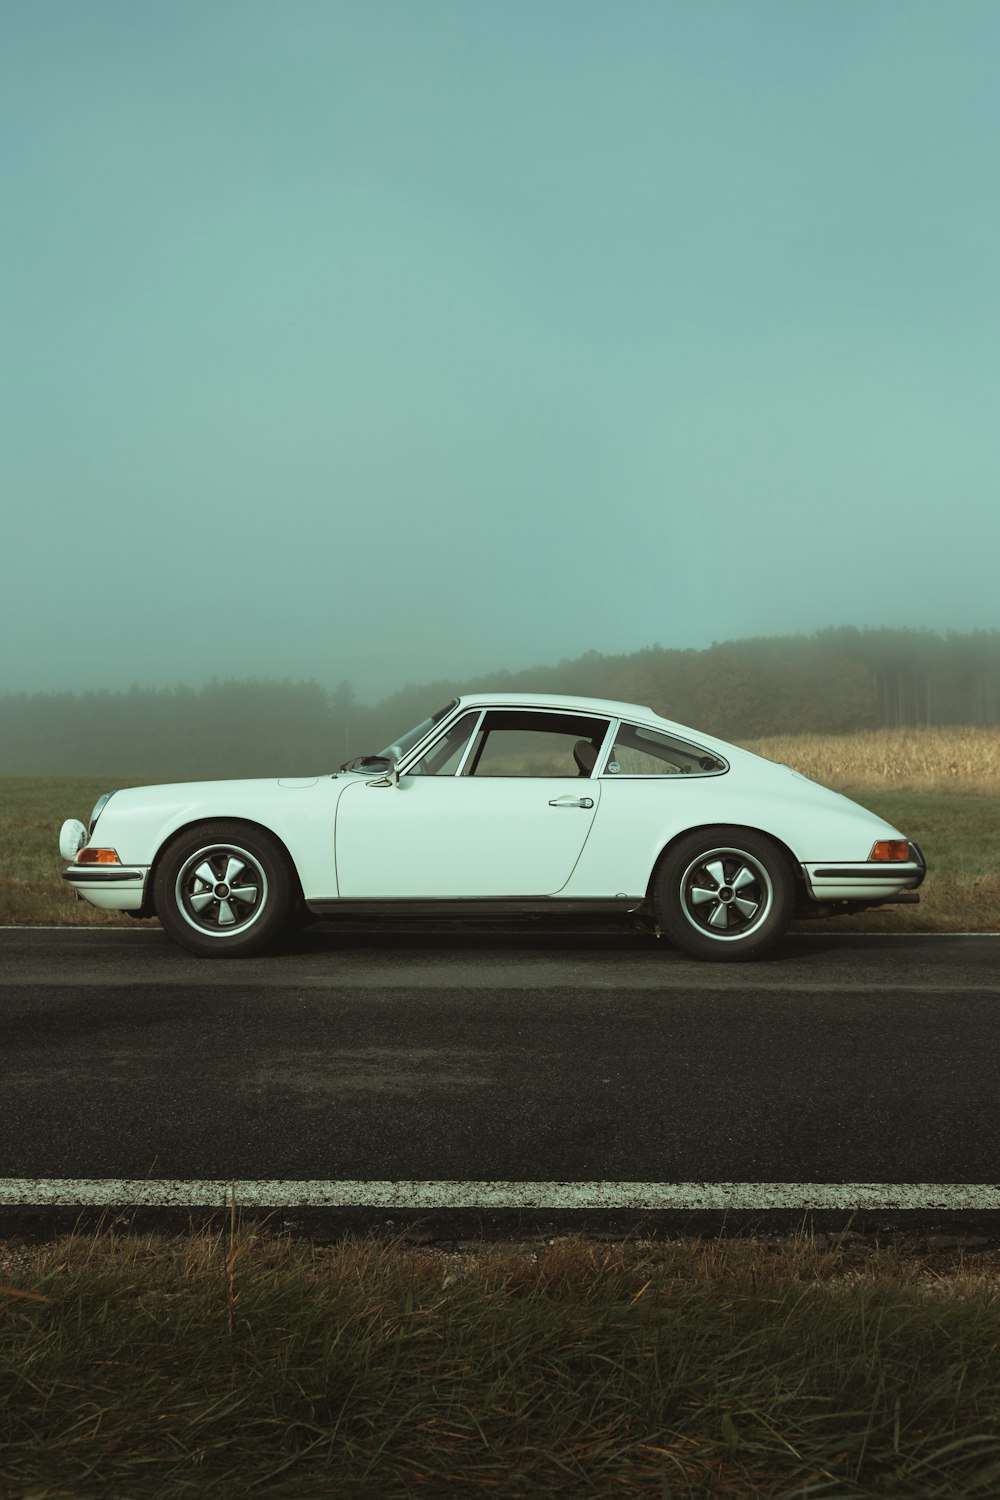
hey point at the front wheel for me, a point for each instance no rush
(223, 891)
(724, 894)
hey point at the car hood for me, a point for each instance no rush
(169, 793)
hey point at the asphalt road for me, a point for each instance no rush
(498, 1057)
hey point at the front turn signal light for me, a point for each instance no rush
(890, 849)
(98, 857)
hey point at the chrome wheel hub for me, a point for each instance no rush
(221, 890)
(726, 893)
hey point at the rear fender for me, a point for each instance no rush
(708, 828)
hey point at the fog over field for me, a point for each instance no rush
(399, 343)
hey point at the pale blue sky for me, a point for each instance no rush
(400, 341)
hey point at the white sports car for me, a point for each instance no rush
(480, 811)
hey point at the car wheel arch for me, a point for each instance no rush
(247, 823)
(794, 864)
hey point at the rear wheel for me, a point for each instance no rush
(724, 894)
(223, 890)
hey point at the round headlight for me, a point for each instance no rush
(72, 837)
(99, 807)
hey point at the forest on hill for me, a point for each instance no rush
(834, 681)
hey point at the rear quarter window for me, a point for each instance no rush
(647, 752)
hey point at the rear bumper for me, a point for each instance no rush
(868, 881)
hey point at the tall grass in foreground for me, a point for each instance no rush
(237, 1364)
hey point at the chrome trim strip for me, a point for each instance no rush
(470, 741)
(602, 760)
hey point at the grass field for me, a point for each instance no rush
(237, 1364)
(941, 787)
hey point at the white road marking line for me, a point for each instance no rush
(683, 1196)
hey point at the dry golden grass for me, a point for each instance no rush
(962, 759)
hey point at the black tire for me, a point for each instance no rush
(245, 904)
(724, 894)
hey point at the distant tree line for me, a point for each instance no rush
(834, 681)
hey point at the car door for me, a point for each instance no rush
(500, 806)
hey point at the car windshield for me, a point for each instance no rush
(398, 748)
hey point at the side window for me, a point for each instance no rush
(646, 752)
(516, 742)
(444, 756)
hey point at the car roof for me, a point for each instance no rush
(606, 706)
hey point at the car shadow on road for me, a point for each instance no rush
(625, 942)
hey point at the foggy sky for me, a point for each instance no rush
(395, 342)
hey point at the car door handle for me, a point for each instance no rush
(571, 802)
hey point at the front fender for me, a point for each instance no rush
(139, 822)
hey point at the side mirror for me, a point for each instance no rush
(391, 775)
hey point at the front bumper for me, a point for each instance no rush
(110, 887)
(870, 881)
